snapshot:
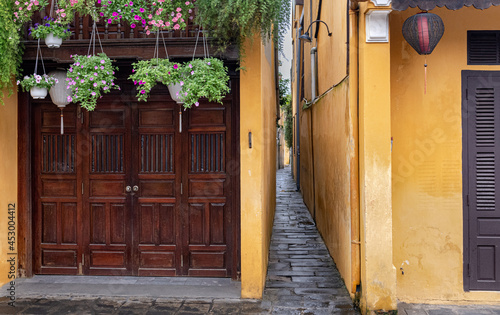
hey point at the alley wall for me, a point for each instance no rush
(428, 227)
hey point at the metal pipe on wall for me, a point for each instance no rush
(313, 73)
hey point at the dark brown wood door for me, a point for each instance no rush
(57, 199)
(135, 189)
(481, 172)
(207, 190)
(108, 169)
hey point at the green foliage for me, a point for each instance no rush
(147, 73)
(49, 25)
(233, 20)
(89, 77)
(198, 78)
(10, 48)
(286, 106)
(41, 81)
(204, 78)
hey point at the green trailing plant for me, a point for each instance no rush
(286, 106)
(231, 21)
(11, 49)
(147, 73)
(204, 78)
(89, 77)
(49, 25)
(36, 80)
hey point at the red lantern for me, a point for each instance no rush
(423, 32)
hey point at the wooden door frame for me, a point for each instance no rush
(466, 74)
(25, 242)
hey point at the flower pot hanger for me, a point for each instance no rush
(36, 92)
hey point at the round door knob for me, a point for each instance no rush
(128, 189)
(135, 188)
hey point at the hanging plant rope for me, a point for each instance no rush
(91, 76)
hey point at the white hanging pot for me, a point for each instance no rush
(38, 93)
(175, 92)
(52, 41)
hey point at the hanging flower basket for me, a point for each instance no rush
(205, 77)
(52, 31)
(37, 85)
(38, 93)
(147, 73)
(89, 77)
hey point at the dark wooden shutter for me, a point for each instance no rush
(481, 174)
(483, 47)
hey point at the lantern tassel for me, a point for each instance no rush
(425, 76)
(62, 122)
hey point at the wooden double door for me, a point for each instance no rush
(134, 189)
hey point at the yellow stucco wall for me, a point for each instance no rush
(378, 275)
(258, 165)
(8, 180)
(328, 143)
(427, 163)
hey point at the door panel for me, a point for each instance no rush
(208, 195)
(158, 196)
(107, 203)
(481, 171)
(57, 203)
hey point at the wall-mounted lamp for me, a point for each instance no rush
(308, 38)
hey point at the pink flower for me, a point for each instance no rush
(181, 83)
(177, 26)
(132, 25)
(95, 73)
(178, 9)
(82, 81)
(192, 72)
(142, 91)
(190, 66)
(176, 66)
(69, 98)
(95, 84)
(142, 10)
(110, 21)
(102, 61)
(196, 104)
(93, 93)
(187, 2)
